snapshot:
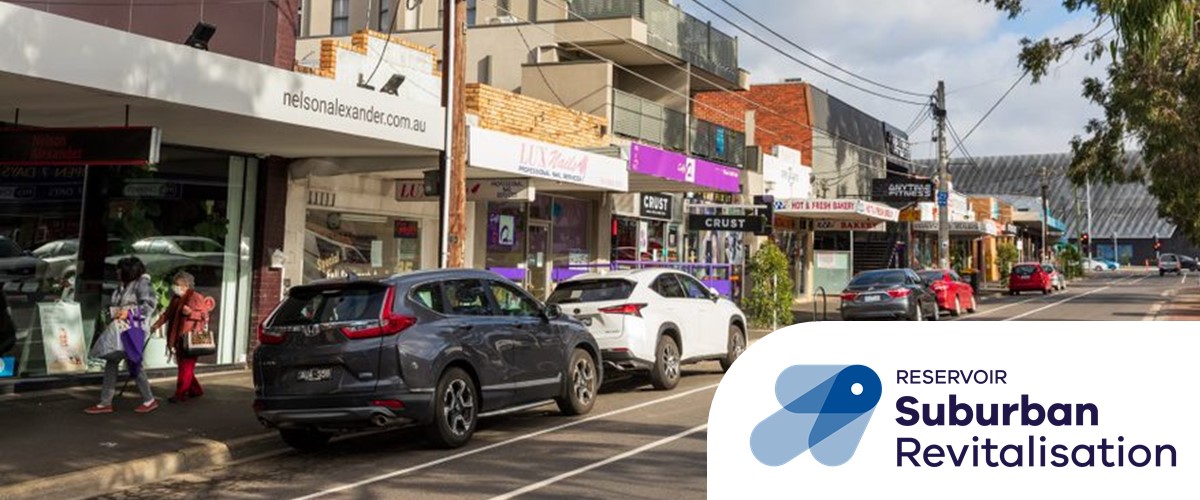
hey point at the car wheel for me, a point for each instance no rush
(937, 312)
(305, 439)
(582, 381)
(917, 314)
(1161, 273)
(974, 305)
(957, 307)
(1046, 291)
(455, 409)
(737, 345)
(665, 375)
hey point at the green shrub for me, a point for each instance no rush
(764, 301)
(1006, 256)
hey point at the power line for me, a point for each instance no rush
(989, 111)
(961, 144)
(386, 41)
(814, 55)
(805, 64)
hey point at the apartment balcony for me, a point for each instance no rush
(659, 25)
(652, 123)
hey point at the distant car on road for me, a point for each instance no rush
(1188, 263)
(1169, 263)
(1029, 277)
(1101, 265)
(435, 348)
(654, 320)
(953, 294)
(1057, 280)
(889, 294)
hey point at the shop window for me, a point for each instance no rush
(571, 231)
(506, 239)
(342, 244)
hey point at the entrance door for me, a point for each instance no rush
(537, 258)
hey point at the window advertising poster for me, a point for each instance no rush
(62, 337)
(507, 231)
(8, 366)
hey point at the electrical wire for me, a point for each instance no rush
(954, 135)
(802, 62)
(386, 41)
(814, 55)
(990, 110)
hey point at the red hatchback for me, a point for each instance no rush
(1029, 277)
(953, 294)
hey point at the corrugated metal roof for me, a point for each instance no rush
(1127, 210)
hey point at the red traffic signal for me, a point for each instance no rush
(1085, 239)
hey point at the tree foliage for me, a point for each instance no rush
(1150, 96)
(771, 294)
(1006, 256)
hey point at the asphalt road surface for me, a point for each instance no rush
(636, 443)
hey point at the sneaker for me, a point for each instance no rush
(99, 410)
(147, 407)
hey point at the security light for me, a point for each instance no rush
(393, 84)
(201, 34)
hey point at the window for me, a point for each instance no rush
(307, 306)
(591, 291)
(384, 15)
(430, 296)
(513, 303)
(341, 18)
(695, 289)
(471, 12)
(466, 298)
(669, 287)
(885, 278)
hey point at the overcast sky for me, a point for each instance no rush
(911, 44)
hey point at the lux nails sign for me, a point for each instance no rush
(656, 206)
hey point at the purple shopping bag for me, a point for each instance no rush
(133, 340)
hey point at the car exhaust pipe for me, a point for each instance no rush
(380, 420)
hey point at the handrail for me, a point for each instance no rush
(825, 304)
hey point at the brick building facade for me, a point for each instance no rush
(789, 124)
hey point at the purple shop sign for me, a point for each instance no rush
(652, 161)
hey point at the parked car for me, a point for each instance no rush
(1029, 277)
(1058, 281)
(1101, 265)
(889, 294)
(1188, 263)
(652, 321)
(436, 348)
(1169, 263)
(21, 273)
(953, 294)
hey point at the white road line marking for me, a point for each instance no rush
(988, 311)
(616, 458)
(1063, 301)
(1152, 314)
(456, 456)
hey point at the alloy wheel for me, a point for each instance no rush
(458, 406)
(584, 380)
(670, 356)
(739, 345)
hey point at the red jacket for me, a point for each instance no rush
(184, 314)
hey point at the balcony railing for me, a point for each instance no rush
(648, 121)
(673, 31)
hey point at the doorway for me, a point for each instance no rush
(536, 250)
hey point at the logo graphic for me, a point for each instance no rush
(825, 410)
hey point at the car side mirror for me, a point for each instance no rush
(552, 312)
(714, 294)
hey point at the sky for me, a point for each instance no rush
(910, 45)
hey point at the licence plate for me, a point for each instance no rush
(315, 374)
(871, 298)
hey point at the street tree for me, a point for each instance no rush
(1150, 95)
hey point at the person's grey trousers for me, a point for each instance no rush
(111, 370)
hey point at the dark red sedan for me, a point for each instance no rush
(1029, 277)
(953, 294)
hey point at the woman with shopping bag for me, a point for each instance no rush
(188, 334)
(123, 339)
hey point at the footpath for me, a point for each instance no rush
(52, 449)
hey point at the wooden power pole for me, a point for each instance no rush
(454, 160)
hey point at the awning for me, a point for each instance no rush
(836, 209)
(657, 170)
(1033, 222)
(62, 72)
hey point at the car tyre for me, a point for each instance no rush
(937, 313)
(305, 439)
(917, 314)
(974, 306)
(957, 311)
(665, 374)
(583, 382)
(455, 409)
(737, 345)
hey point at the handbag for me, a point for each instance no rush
(199, 342)
(108, 345)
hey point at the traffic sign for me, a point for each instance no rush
(943, 198)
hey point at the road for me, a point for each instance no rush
(637, 443)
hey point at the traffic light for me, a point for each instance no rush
(1085, 240)
(1157, 244)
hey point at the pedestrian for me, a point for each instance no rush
(188, 312)
(133, 301)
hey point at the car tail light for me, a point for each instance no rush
(901, 292)
(268, 337)
(391, 404)
(940, 286)
(849, 296)
(628, 309)
(390, 323)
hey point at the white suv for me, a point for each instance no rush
(654, 320)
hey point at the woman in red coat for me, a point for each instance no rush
(187, 312)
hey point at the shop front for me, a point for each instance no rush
(836, 225)
(784, 176)
(969, 248)
(649, 231)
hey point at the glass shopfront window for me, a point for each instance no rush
(63, 230)
(525, 241)
(338, 244)
(644, 240)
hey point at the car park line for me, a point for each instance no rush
(523, 437)
(594, 465)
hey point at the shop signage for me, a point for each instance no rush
(897, 143)
(407, 230)
(154, 190)
(527, 157)
(784, 176)
(856, 226)
(80, 146)
(477, 190)
(902, 190)
(735, 223)
(970, 228)
(656, 206)
(647, 160)
(818, 206)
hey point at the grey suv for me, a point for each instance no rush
(1169, 263)
(437, 348)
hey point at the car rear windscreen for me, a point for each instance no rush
(309, 306)
(591, 291)
(878, 278)
(1024, 270)
(931, 276)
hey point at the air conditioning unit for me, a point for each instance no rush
(503, 20)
